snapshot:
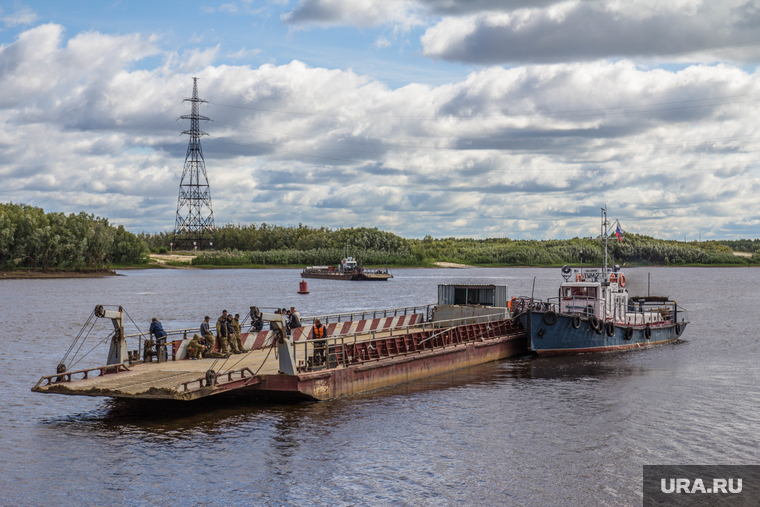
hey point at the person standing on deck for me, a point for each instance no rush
(231, 337)
(206, 334)
(319, 335)
(157, 330)
(222, 334)
(236, 335)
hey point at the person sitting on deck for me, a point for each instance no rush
(295, 318)
(195, 348)
(319, 334)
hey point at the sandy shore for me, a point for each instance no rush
(164, 258)
(451, 265)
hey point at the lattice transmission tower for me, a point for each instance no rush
(195, 216)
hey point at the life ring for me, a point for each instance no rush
(576, 321)
(610, 329)
(647, 332)
(579, 277)
(628, 333)
(621, 281)
(550, 318)
(679, 329)
(613, 278)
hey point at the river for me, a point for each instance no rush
(523, 431)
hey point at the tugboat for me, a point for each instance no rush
(593, 312)
(347, 270)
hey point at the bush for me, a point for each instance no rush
(30, 238)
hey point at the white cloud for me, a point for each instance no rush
(382, 42)
(587, 30)
(244, 53)
(401, 13)
(196, 59)
(525, 151)
(24, 16)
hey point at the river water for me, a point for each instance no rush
(523, 431)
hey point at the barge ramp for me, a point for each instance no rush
(362, 355)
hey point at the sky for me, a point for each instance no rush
(477, 118)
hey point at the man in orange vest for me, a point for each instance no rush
(320, 344)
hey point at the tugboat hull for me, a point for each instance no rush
(563, 338)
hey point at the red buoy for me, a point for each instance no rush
(303, 287)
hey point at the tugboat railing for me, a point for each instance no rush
(638, 312)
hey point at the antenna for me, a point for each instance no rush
(195, 216)
(604, 236)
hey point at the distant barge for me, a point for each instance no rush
(364, 351)
(347, 270)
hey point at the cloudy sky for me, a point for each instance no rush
(478, 118)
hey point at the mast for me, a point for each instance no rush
(604, 237)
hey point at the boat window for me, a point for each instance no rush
(580, 292)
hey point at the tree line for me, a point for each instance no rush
(31, 238)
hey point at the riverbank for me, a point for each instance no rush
(180, 261)
(39, 274)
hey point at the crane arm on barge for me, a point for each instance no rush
(284, 343)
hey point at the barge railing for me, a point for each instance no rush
(344, 350)
(182, 334)
(66, 376)
(370, 314)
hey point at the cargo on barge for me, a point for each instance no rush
(364, 351)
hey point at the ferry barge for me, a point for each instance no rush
(593, 312)
(363, 351)
(347, 270)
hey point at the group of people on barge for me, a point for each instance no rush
(228, 334)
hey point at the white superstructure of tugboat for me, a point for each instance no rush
(593, 312)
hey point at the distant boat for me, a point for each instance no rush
(594, 313)
(347, 270)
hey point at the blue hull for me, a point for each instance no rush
(562, 338)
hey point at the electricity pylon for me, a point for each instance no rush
(195, 216)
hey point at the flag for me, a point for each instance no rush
(619, 233)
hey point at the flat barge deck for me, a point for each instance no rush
(362, 354)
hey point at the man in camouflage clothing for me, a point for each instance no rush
(195, 348)
(222, 333)
(206, 334)
(236, 333)
(231, 340)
